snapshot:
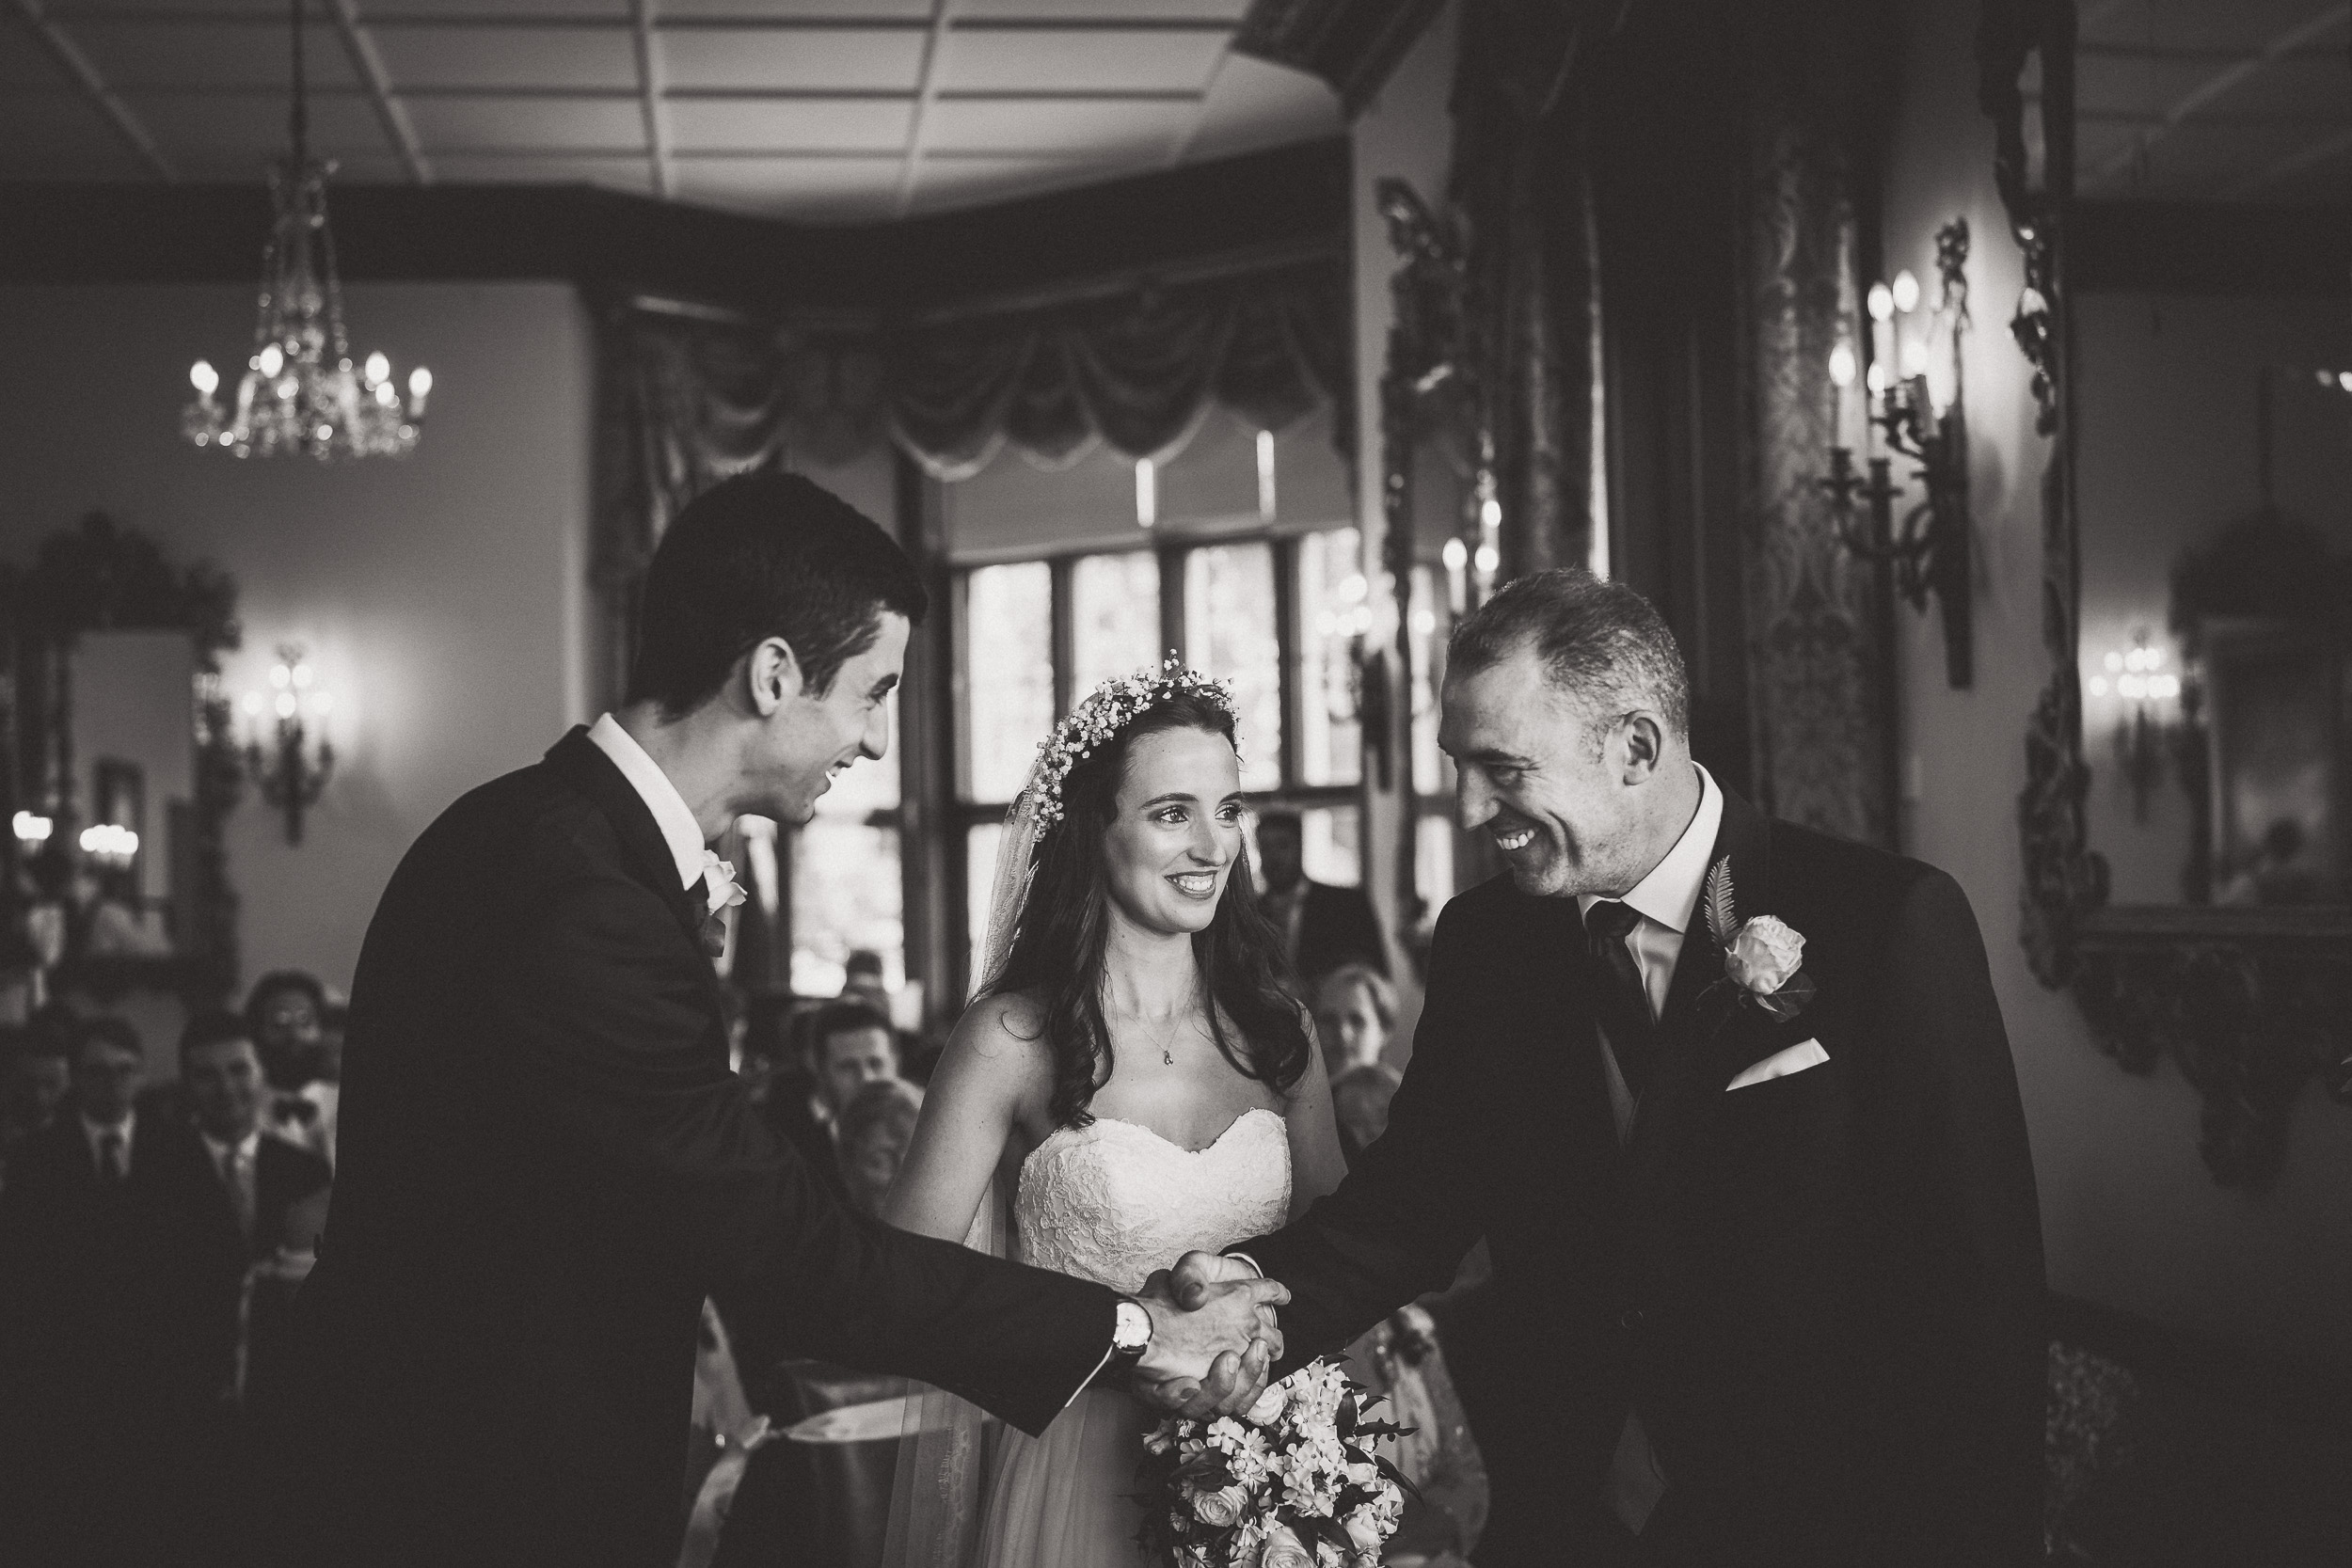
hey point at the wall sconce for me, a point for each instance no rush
(2137, 677)
(289, 775)
(33, 829)
(1918, 415)
(110, 845)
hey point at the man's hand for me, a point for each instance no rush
(1209, 1358)
(1198, 1273)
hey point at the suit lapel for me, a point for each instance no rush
(583, 762)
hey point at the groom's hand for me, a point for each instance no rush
(1198, 1273)
(1210, 1357)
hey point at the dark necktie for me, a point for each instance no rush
(111, 1161)
(1619, 997)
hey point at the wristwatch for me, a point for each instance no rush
(1130, 1331)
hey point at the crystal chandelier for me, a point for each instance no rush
(301, 392)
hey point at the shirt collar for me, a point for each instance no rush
(670, 813)
(95, 1130)
(247, 1147)
(1670, 894)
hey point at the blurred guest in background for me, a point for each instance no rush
(1321, 926)
(238, 1198)
(285, 1015)
(84, 1226)
(36, 1076)
(871, 1138)
(862, 976)
(1355, 1015)
(851, 1045)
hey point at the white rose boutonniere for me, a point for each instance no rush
(1763, 955)
(720, 888)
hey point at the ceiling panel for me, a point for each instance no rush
(793, 59)
(63, 136)
(478, 10)
(557, 57)
(209, 54)
(1058, 59)
(801, 11)
(1254, 104)
(2244, 26)
(248, 130)
(1063, 126)
(535, 124)
(791, 124)
(1228, 12)
(634, 175)
(64, 9)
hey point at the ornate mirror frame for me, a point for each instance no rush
(2251, 1004)
(103, 576)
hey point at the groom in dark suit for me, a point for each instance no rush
(545, 1164)
(1766, 1234)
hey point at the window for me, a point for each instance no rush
(846, 893)
(1282, 618)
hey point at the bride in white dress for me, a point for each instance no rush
(1132, 1077)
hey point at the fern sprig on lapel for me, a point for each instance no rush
(1721, 922)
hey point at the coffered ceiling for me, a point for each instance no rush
(2215, 100)
(817, 110)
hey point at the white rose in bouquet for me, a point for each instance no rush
(1283, 1549)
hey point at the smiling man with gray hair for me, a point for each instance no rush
(1732, 1103)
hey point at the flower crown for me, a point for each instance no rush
(1107, 710)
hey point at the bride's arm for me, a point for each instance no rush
(1316, 1163)
(985, 1076)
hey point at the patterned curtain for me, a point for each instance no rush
(1819, 644)
(687, 399)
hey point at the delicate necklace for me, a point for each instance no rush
(1161, 1039)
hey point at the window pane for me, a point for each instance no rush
(866, 787)
(1114, 617)
(1230, 633)
(845, 896)
(1334, 617)
(1433, 861)
(979, 863)
(1007, 676)
(1330, 845)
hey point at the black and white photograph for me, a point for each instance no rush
(1176, 783)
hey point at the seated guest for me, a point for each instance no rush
(870, 1137)
(862, 976)
(83, 1226)
(285, 1015)
(1321, 926)
(1354, 1013)
(239, 1198)
(851, 1045)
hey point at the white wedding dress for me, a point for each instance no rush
(1111, 1202)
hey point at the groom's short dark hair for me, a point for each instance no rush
(759, 556)
(1600, 642)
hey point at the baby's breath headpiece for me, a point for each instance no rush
(1107, 710)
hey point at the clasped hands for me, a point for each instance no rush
(1214, 1337)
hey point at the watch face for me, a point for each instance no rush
(1134, 1330)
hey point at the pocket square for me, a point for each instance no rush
(1780, 1063)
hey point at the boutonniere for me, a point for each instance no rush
(1763, 957)
(720, 888)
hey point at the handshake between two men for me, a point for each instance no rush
(1215, 1336)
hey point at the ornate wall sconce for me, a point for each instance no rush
(2138, 678)
(1917, 414)
(290, 773)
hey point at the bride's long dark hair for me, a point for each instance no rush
(1057, 953)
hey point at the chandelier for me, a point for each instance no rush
(300, 393)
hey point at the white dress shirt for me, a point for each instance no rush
(98, 1132)
(670, 813)
(1667, 901)
(239, 1166)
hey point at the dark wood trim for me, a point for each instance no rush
(1289, 200)
(931, 843)
(1063, 645)
(1287, 642)
(2209, 248)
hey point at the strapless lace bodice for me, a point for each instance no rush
(1112, 1201)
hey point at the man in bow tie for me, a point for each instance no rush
(545, 1166)
(1732, 1104)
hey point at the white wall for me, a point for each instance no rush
(2130, 1216)
(443, 598)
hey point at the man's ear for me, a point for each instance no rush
(1644, 741)
(771, 676)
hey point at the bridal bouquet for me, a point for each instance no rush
(1292, 1483)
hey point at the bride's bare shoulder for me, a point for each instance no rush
(1004, 1034)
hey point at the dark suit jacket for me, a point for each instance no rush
(544, 1166)
(210, 1257)
(85, 1356)
(1822, 1292)
(1338, 925)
